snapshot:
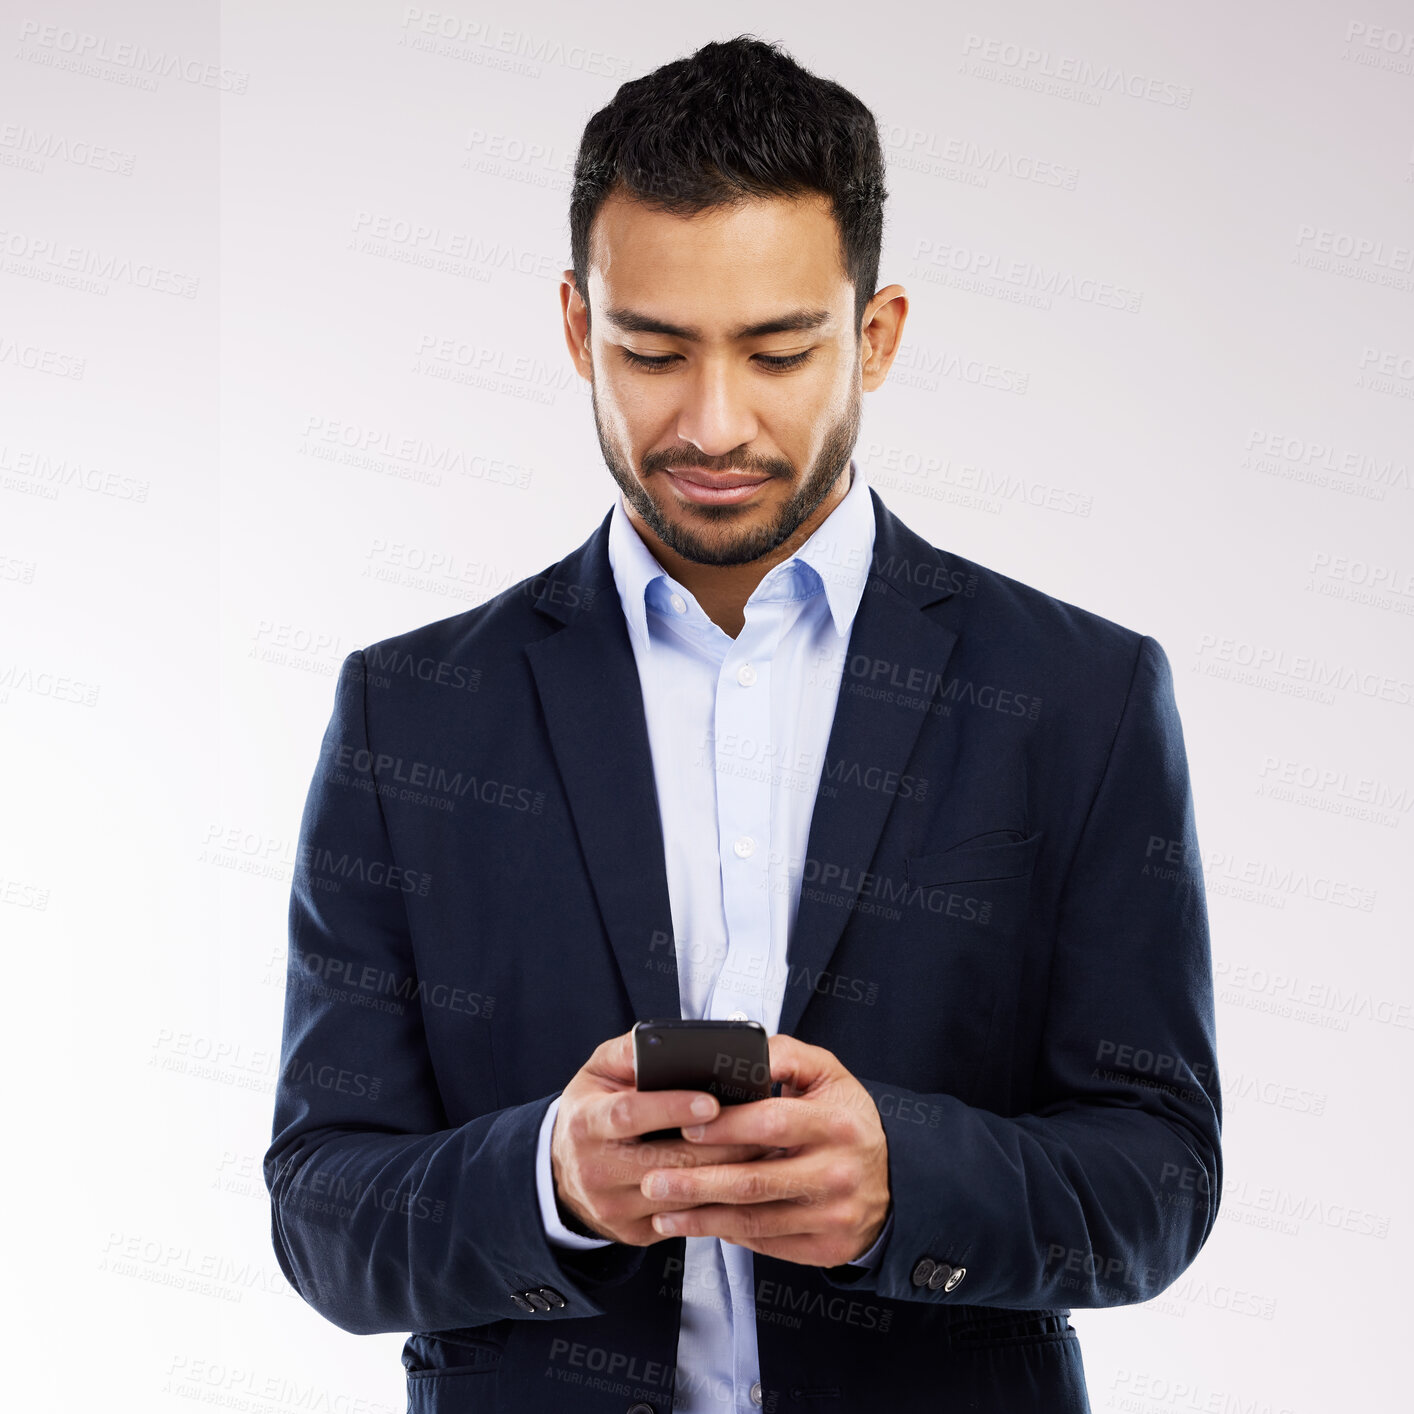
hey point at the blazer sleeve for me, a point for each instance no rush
(1106, 1190)
(385, 1217)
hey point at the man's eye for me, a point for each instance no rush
(644, 361)
(781, 361)
(776, 362)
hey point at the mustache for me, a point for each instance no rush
(752, 466)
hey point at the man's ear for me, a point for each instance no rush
(575, 313)
(881, 334)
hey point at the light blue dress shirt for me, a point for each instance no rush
(738, 729)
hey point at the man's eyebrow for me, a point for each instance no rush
(797, 321)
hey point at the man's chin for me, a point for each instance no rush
(719, 535)
(717, 549)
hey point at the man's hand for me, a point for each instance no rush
(597, 1159)
(822, 1203)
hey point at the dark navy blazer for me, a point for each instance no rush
(1002, 933)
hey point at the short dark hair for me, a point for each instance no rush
(735, 120)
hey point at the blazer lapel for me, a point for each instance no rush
(588, 683)
(892, 671)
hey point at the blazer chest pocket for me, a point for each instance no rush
(959, 940)
(999, 854)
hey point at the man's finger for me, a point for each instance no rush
(631, 1113)
(776, 1180)
(629, 1162)
(780, 1123)
(678, 1154)
(798, 1063)
(613, 1059)
(744, 1225)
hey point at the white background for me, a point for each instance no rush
(226, 399)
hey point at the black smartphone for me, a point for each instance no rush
(728, 1059)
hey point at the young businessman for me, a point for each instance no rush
(754, 750)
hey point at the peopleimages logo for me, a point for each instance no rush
(343, 1194)
(1263, 665)
(60, 47)
(315, 862)
(968, 268)
(387, 769)
(1030, 67)
(62, 262)
(450, 35)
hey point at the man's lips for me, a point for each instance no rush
(718, 479)
(714, 488)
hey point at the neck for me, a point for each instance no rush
(723, 590)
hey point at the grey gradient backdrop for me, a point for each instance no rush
(281, 374)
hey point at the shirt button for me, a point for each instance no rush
(738, 1016)
(756, 1392)
(745, 846)
(746, 675)
(679, 604)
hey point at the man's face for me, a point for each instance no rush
(728, 441)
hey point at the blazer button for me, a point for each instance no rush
(641, 1409)
(941, 1274)
(520, 1301)
(957, 1276)
(537, 1301)
(551, 1295)
(922, 1271)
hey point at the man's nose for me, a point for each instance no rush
(716, 414)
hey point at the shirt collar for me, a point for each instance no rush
(836, 557)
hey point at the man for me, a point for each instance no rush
(754, 750)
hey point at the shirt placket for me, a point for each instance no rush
(745, 765)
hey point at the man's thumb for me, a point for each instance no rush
(614, 1059)
(797, 1064)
